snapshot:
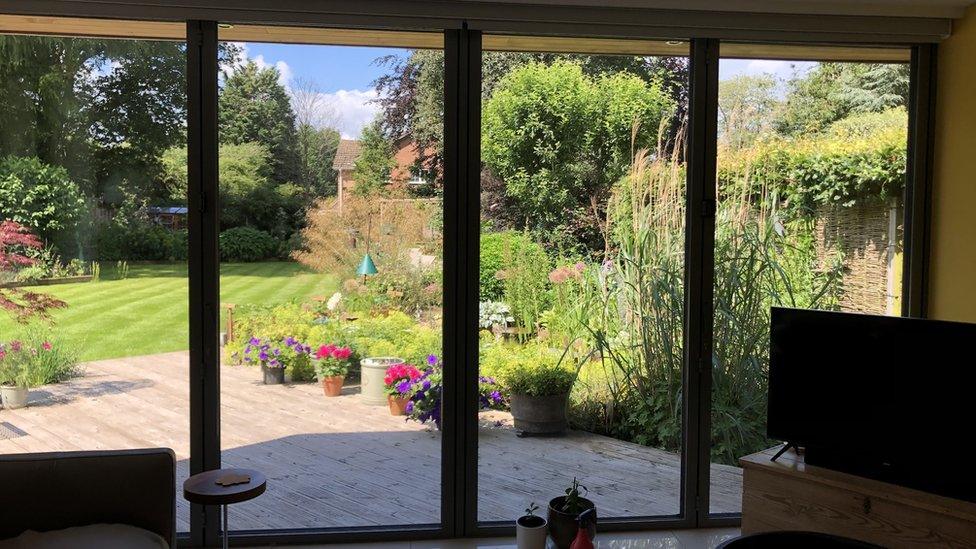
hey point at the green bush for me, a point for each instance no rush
(863, 156)
(499, 250)
(540, 374)
(39, 196)
(139, 241)
(244, 244)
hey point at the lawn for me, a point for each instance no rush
(146, 312)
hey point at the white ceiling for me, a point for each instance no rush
(897, 8)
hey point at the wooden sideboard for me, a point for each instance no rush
(790, 495)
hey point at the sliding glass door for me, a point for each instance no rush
(93, 239)
(330, 181)
(581, 280)
(812, 160)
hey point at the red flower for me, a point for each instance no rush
(46, 345)
(400, 372)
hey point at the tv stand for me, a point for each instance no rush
(788, 494)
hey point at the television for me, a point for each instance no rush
(883, 397)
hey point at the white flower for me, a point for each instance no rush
(333, 301)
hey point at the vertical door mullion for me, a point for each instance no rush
(462, 109)
(203, 266)
(699, 275)
(918, 181)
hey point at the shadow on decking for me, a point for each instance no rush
(84, 387)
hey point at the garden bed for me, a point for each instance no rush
(47, 281)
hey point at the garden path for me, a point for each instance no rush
(336, 462)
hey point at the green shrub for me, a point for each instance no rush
(394, 334)
(139, 241)
(499, 251)
(39, 196)
(539, 374)
(245, 244)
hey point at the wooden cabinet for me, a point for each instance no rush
(789, 495)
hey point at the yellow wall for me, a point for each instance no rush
(953, 260)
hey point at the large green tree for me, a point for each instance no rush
(556, 139)
(375, 162)
(832, 91)
(255, 108)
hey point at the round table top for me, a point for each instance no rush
(203, 488)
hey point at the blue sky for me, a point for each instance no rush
(344, 75)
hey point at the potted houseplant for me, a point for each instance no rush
(14, 375)
(530, 529)
(296, 359)
(331, 367)
(398, 383)
(540, 394)
(261, 352)
(564, 512)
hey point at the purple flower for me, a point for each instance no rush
(432, 360)
(409, 407)
(263, 355)
(289, 341)
(426, 384)
(496, 396)
(403, 387)
(255, 341)
(247, 350)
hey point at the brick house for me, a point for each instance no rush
(405, 174)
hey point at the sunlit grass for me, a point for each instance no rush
(147, 312)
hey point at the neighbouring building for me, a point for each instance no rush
(406, 174)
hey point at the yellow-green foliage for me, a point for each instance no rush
(861, 156)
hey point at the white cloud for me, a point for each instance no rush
(284, 71)
(351, 110)
(759, 66)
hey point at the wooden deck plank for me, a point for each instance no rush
(336, 462)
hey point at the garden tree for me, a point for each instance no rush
(317, 140)
(557, 139)
(832, 91)
(372, 169)
(248, 195)
(747, 107)
(22, 305)
(41, 197)
(411, 93)
(255, 108)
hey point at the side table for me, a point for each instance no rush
(223, 487)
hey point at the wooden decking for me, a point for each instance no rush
(337, 462)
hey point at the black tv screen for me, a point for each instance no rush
(886, 397)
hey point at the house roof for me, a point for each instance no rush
(346, 154)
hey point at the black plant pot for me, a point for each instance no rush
(273, 376)
(564, 526)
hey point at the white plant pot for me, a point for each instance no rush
(530, 532)
(13, 397)
(372, 371)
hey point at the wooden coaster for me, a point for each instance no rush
(233, 480)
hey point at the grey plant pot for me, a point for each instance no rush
(13, 397)
(372, 372)
(540, 415)
(273, 376)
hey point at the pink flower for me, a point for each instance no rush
(15, 345)
(46, 345)
(3, 354)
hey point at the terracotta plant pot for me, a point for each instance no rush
(563, 526)
(398, 405)
(332, 385)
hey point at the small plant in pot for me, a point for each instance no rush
(263, 353)
(425, 399)
(14, 374)
(331, 367)
(564, 514)
(399, 382)
(530, 529)
(539, 390)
